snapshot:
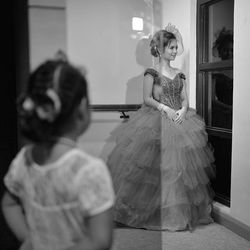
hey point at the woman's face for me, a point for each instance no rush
(170, 51)
(227, 51)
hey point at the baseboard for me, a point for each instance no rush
(221, 215)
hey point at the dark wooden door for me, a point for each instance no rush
(14, 72)
(215, 85)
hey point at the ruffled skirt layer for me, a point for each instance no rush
(161, 172)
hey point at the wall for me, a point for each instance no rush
(100, 36)
(47, 29)
(240, 185)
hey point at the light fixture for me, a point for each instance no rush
(137, 24)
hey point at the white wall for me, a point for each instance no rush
(240, 185)
(47, 29)
(100, 36)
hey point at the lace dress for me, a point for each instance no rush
(161, 170)
(57, 197)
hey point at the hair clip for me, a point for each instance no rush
(172, 29)
(61, 56)
(46, 112)
(28, 104)
(157, 51)
(55, 98)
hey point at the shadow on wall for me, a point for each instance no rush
(134, 91)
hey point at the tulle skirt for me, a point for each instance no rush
(161, 171)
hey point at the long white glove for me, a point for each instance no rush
(170, 112)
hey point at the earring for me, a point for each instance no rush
(157, 51)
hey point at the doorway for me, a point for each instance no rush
(215, 20)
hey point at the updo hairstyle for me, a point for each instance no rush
(160, 40)
(54, 91)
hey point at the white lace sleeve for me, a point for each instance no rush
(95, 189)
(13, 178)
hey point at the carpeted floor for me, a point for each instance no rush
(209, 237)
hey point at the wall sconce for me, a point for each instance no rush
(137, 24)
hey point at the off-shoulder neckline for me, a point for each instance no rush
(171, 79)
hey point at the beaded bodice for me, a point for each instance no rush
(171, 89)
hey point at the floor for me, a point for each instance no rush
(209, 237)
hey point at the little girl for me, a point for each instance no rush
(58, 197)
